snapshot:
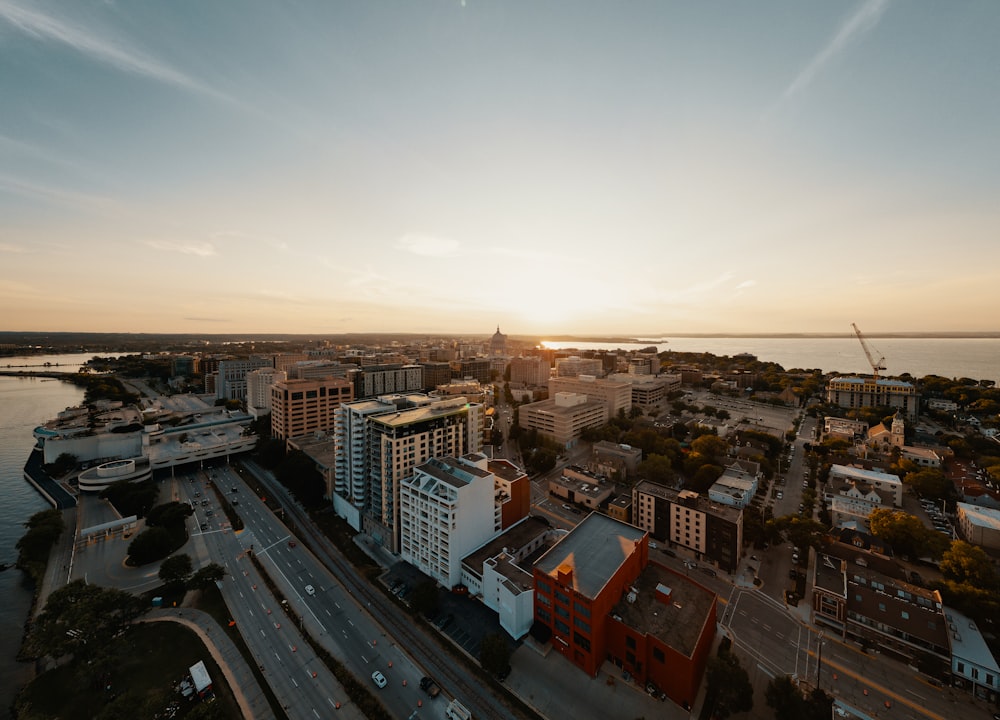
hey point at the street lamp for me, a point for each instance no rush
(819, 657)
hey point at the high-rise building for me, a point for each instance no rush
(381, 441)
(857, 392)
(259, 384)
(529, 371)
(446, 510)
(374, 380)
(300, 407)
(231, 383)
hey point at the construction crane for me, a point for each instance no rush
(870, 352)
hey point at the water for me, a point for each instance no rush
(977, 358)
(24, 404)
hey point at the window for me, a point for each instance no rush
(544, 615)
(630, 658)
(881, 606)
(562, 612)
(906, 615)
(543, 587)
(580, 623)
(562, 598)
(562, 627)
(658, 655)
(630, 643)
(544, 600)
(581, 609)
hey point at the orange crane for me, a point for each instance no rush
(870, 353)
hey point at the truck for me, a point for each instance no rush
(430, 687)
(457, 711)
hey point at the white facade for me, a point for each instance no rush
(447, 510)
(979, 525)
(574, 366)
(890, 486)
(733, 491)
(616, 396)
(259, 384)
(231, 383)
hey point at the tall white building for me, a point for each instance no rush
(380, 442)
(446, 510)
(259, 384)
(231, 383)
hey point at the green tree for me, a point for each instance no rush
(710, 446)
(81, 619)
(965, 563)
(150, 545)
(930, 483)
(206, 576)
(656, 468)
(424, 598)
(904, 532)
(728, 689)
(175, 571)
(494, 654)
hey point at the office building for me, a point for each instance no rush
(616, 396)
(858, 392)
(302, 407)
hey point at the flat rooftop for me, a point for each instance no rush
(512, 539)
(594, 549)
(679, 622)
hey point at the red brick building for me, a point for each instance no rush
(601, 599)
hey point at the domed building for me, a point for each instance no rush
(498, 343)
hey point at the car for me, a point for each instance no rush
(236, 502)
(795, 558)
(209, 513)
(232, 489)
(793, 574)
(780, 495)
(310, 590)
(379, 679)
(292, 543)
(204, 526)
(567, 507)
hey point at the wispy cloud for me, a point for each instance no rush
(83, 201)
(40, 26)
(428, 245)
(860, 22)
(208, 320)
(203, 249)
(746, 284)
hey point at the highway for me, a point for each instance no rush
(380, 630)
(302, 684)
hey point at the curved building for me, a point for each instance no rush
(98, 478)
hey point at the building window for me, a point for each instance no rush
(543, 587)
(906, 615)
(562, 612)
(881, 606)
(581, 609)
(630, 643)
(544, 615)
(630, 658)
(562, 627)
(580, 623)
(960, 667)
(562, 598)
(544, 600)
(658, 655)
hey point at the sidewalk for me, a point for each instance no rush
(239, 676)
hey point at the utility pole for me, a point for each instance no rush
(819, 657)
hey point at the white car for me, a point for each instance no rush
(379, 679)
(310, 590)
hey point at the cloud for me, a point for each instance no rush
(208, 320)
(428, 245)
(83, 201)
(204, 249)
(16, 249)
(862, 21)
(44, 27)
(746, 284)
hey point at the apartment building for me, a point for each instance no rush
(259, 384)
(685, 519)
(857, 392)
(396, 442)
(446, 510)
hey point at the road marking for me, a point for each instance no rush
(768, 628)
(315, 713)
(250, 611)
(293, 682)
(349, 622)
(262, 634)
(920, 697)
(363, 657)
(337, 604)
(327, 612)
(277, 656)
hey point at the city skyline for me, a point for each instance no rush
(566, 168)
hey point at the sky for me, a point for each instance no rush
(625, 168)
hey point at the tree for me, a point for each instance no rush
(203, 577)
(710, 446)
(82, 619)
(903, 531)
(786, 700)
(656, 468)
(494, 654)
(728, 687)
(175, 571)
(968, 563)
(424, 598)
(930, 483)
(150, 545)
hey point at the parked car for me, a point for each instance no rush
(430, 687)
(379, 679)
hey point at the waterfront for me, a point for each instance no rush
(977, 358)
(24, 404)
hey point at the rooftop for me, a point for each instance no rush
(882, 382)
(678, 622)
(869, 476)
(980, 516)
(594, 549)
(511, 540)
